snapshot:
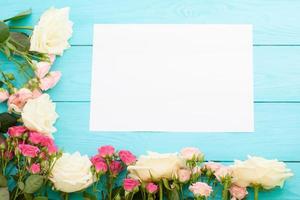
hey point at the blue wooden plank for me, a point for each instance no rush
(276, 136)
(275, 22)
(272, 80)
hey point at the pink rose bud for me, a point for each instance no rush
(101, 167)
(197, 170)
(222, 172)
(106, 151)
(52, 58)
(130, 184)
(238, 193)
(50, 80)
(17, 101)
(212, 166)
(35, 168)
(127, 157)
(191, 153)
(16, 131)
(151, 188)
(28, 150)
(184, 175)
(42, 68)
(115, 168)
(97, 158)
(4, 95)
(200, 189)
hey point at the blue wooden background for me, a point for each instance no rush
(276, 73)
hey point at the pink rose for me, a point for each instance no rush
(130, 184)
(96, 159)
(197, 170)
(17, 101)
(191, 153)
(50, 80)
(42, 68)
(222, 172)
(200, 189)
(212, 166)
(16, 131)
(35, 168)
(36, 93)
(238, 193)
(151, 188)
(52, 58)
(184, 175)
(38, 138)
(127, 157)
(4, 95)
(28, 150)
(101, 167)
(106, 151)
(115, 167)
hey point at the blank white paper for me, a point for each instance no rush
(174, 78)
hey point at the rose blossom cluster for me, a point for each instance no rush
(33, 153)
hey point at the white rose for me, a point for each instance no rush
(72, 172)
(155, 166)
(39, 115)
(52, 32)
(260, 171)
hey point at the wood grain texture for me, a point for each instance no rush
(272, 80)
(276, 78)
(275, 21)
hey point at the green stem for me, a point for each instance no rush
(21, 27)
(225, 191)
(256, 190)
(160, 191)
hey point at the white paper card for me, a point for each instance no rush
(175, 78)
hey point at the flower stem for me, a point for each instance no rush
(256, 190)
(160, 191)
(225, 191)
(21, 27)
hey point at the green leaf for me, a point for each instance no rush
(33, 183)
(166, 184)
(40, 198)
(88, 196)
(21, 185)
(173, 194)
(4, 32)
(6, 51)
(20, 40)
(6, 120)
(21, 15)
(28, 196)
(4, 193)
(3, 181)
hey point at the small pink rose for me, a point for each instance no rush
(238, 193)
(151, 188)
(115, 168)
(52, 58)
(191, 153)
(42, 68)
(212, 166)
(50, 80)
(38, 138)
(222, 172)
(197, 170)
(130, 184)
(36, 93)
(35, 168)
(106, 151)
(184, 175)
(101, 167)
(200, 189)
(16, 131)
(28, 150)
(17, 100)
(127, 157)
(4, 95)
(97, 158)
